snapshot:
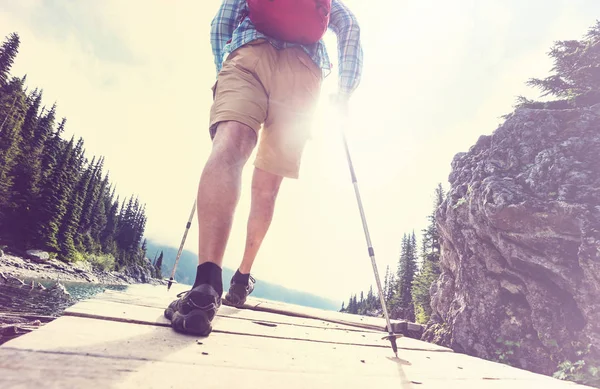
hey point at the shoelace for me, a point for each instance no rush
(182, 293)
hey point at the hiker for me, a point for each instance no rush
(270, 60)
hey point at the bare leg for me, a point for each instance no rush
(265, 187)
(219, 188)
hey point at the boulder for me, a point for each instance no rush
(138, 273)
(520, 243)
(38, 255)
(59, 290)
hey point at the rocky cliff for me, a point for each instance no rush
(520, 231)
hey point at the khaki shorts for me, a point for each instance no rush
(277, 90)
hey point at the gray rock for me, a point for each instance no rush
(15, 281)
(38, 255)
(59, 290)
(139, 273)
(520, 232)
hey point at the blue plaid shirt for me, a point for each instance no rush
(226, 36)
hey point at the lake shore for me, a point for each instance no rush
(52, 269)
(20, 280)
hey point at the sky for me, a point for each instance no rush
(133, 79)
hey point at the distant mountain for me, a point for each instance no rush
(186, 273)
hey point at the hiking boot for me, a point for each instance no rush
(194, 310)
(239, 291)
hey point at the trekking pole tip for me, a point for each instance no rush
(392, 338)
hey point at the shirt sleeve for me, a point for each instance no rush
(222, 27)
(345, 25)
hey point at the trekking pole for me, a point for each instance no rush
(187, 228)
(391, 337)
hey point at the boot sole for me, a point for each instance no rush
(233, 302)
(197, 321)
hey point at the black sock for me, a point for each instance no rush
(241, 278)
(209, 273)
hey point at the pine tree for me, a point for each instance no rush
(386, 283)
(100, 215)
(52, 152)
(13, 105)
(53, 199)
(26, 175)
(430, 270)
(8, 53)
(144, 248)
(391, 292)
(70, 223)
(159, 262)
(576, 77)
(91, 197)
(108, 235)
(402, 305)
(370, 299)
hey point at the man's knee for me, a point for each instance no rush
(234, 141)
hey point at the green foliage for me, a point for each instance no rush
(506, 351)
(74, 256)
(420, 290)
(585, 370)
(576, 73)
(158, 265)
(12, 111)
(460, 202)
(430, 268)
(369, 306)
(401, 305)
(51, 196)
(421, 316)
(104, 262)
(8, 52)
(406, 292)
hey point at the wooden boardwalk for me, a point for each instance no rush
(122, 340)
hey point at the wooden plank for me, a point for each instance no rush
(131, 341)
(154, 316)
(22, 369)
(142, 292)
(79, 352)
(163, 301)
(367, 322)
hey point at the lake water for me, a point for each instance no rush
(22, 300)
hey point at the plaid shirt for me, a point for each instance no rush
(228, 34)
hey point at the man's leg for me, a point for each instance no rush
(219, 188)
(218, 194)
(265, 187)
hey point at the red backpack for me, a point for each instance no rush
(296, 21)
